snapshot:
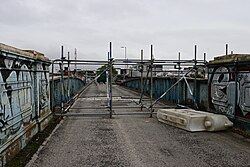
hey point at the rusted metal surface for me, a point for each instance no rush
(24, 100)
(229, 88)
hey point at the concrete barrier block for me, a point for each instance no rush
(192, 120)
(217, 122)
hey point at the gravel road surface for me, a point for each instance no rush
(136, 141)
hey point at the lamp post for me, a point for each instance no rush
(125, 54)
(125, 51)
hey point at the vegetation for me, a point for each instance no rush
(102, 78)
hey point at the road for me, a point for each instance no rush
(134, 140)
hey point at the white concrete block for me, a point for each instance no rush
(217, 122)
(192, 120)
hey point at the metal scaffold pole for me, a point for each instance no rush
(142, 66)
(107, 82)
(179, 86)
(148, 69)
(110, 79)
(151, 81)
(62, 82)
(195, 78)
(53, 87)
(68, 80)
(144, 85)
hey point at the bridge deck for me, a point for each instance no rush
(134, 140)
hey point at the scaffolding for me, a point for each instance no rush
(112, 63)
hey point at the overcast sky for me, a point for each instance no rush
(172, 26)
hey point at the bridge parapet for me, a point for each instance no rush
(25, 98)
(72, 86)
(229, 88)
(179, 94)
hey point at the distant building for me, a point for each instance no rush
(135, 71)
(84, 75)
(174, 72)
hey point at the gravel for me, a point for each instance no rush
(136, 141)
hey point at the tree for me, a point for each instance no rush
(102, 78)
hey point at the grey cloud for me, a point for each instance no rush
(172, 26)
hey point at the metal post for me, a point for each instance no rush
(142, 66)
(144, 85)
(125, 60)
(206, 69)
(68, 88)
(75, 57)
(195, 83)
(151, 81)
(110, 76)
(226, 49)
(62, 82)
(52, 96)
(107, 83)
(179, 88)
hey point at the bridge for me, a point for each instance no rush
(115, 125)
(130, 139)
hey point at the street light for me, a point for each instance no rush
(125, 51)
(125, 54)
